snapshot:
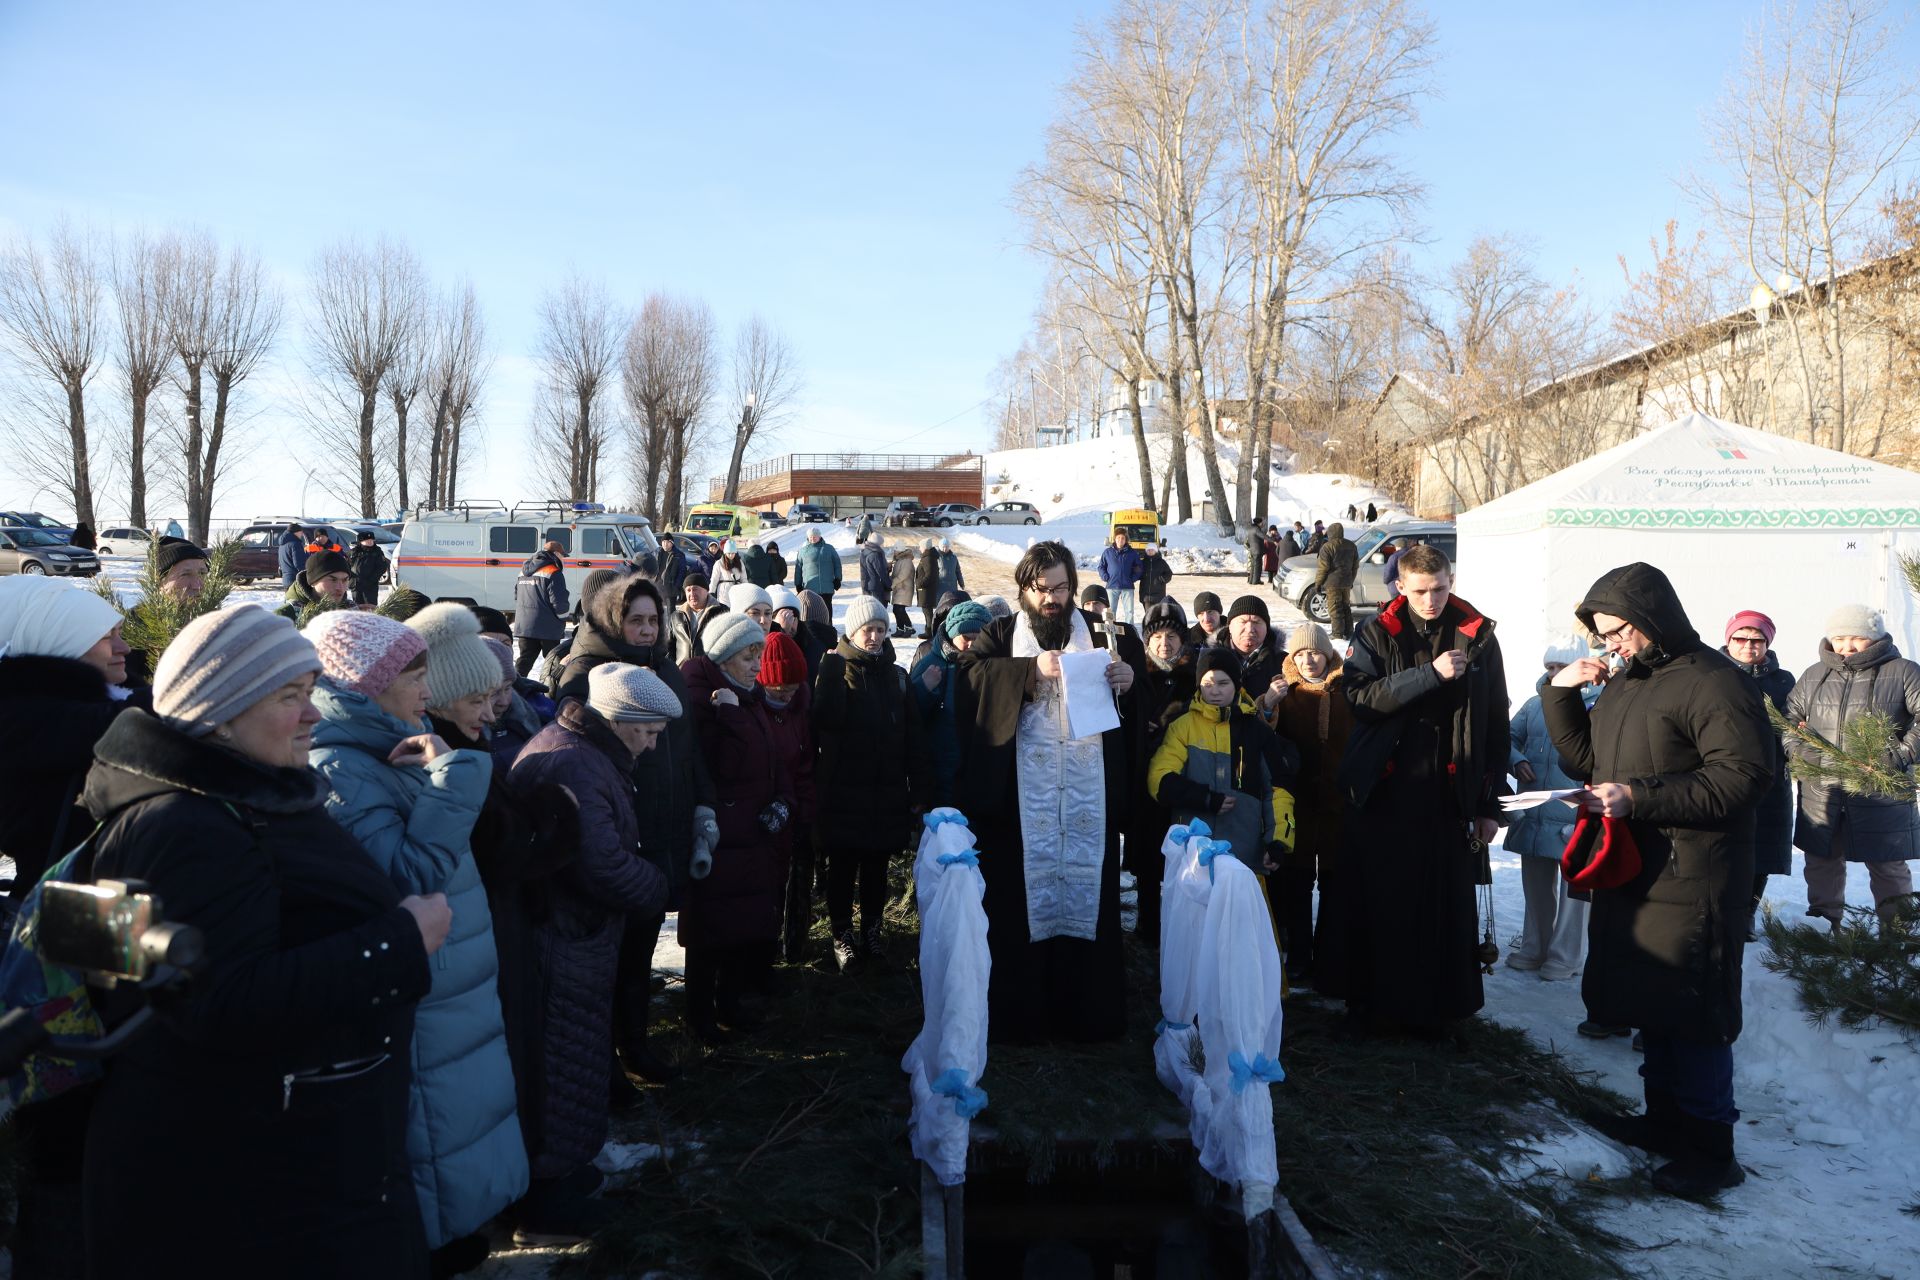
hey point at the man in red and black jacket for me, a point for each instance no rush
(1424, 770)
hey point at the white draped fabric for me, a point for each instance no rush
(946, 1059)
(1063, 803)
(1220, 968)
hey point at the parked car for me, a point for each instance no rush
(40, 551)
(948, 514)
(1369, 591)
(772, 520)
(808, 513)
(131, 541)
(258, 557)
(904, 513)
(34, 520)
(1007, 513)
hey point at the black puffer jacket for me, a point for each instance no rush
(1684, 727)
(1833, 691)
(277, 1091)
(1156, 575)
(52, 712)
(1339, 562)
(1773, 819)
(672, 778)
(872, 760)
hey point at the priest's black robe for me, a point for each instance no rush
(1057, 988)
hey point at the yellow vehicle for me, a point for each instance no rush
(1141, 527)
(722, 520)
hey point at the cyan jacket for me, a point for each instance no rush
(463, 1134)
(817, 568)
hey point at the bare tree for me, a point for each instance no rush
(50, 316)
(1821, 112)
(145, 351)
(246, 323)
(696, 363)
(581, 332)
(457, 365)
(405, 377)
(766, 380)
(367, 301)
(667, 370)
(1320, 87)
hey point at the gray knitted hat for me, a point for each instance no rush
(459, 663)
(728, 634)
(623, 692)
(1855, 620)
(224, 662)
(863, 610)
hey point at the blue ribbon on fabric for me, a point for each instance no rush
(968, 1101)
(940, 817)
(966, 857)
(1166, 1025)
(1244, 1073)
(1211, 850)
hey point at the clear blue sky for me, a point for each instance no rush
(842, 169)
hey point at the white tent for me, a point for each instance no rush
(1737, 519)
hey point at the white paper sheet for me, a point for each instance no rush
(1533, 799)
(1089, 698)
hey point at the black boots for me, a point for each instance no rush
(1704, 1164)
(1654, 1131)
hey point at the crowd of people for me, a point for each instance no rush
(432, 885)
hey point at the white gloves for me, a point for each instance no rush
(706, 834)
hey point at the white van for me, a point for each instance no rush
(473, 553)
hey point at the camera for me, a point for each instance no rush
(114, 931)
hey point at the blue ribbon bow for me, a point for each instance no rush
(968, 1101)
(940, 817)
(1244, 1073)
(1167, 1025)
(966, 857)
(1211, 850)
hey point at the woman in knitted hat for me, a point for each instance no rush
(790, 620)
(1750, 645)
(727, 571)
(730, 919)
(872, 773)
(931, 677)
(1316, 718)
(591, 750)
(753, 601)
(787, 691)
(412, 801)
(62, 674)
(278, 1087)
(1553, 938)
(1860, 671)
(1166, 694)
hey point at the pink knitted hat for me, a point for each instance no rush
(504, 656)
(363, 651)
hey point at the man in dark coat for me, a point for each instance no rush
(539, 605)
(369, 564)
(1338, 566)
(1678, 752)
(1165, 695)
(1037, 797)
(776, 563)
(291, 552)
(1749, 645)
(1422, 774)
(1256, 556)
(1208, 620)
(1156, 575)
(926, 584)
(1249, 634)
(876, 579)
(672, 571)
(758, 566)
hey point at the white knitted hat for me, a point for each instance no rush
(623, 692)
(728, 634)
(863, 610)
(459, 663)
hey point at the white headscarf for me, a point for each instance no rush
(50, 618)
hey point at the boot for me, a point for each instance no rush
(549, 1215)
(876, 947)
(622, 1093)
(845, 950)
(640, 1060)
(1706, 1165)
(1601, 1031)
(703, 977)
(1657, 1130)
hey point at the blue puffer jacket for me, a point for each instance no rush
(876, 579)
(1120, 569)
(291, 555)
(463, 1134)
(817, 567)
(1545, 830)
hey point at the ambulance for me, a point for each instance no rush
(720, 520)
(472, 553)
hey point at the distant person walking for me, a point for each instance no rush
(539, 606)
(1339, 565)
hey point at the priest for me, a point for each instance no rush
(1047, 809)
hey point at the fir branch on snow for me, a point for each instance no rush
(1854, 764)
(1865, 971)
(1910, 569)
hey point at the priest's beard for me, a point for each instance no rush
(1052, 624)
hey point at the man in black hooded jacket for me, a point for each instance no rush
(1678, 747)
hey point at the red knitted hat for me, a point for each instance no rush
(781, 662)
(1750, 618)
(1601, 855)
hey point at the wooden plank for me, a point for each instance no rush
(933, 1224)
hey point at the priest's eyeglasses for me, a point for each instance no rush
(1061, 592)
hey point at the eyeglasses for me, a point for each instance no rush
(1759, 640)
(1063, 591)
(1608, 637)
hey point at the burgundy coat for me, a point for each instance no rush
(740, 900)
(793, 733)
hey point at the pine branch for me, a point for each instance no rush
(151, 625)
(1854, 764)
(1864, 972)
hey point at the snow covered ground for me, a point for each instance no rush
(1830, 1133)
